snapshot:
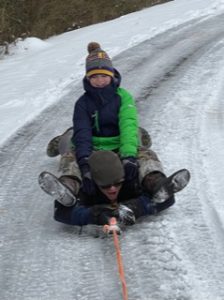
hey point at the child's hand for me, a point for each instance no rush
(88, 186)
(130, 168)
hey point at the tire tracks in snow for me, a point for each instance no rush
(184, 120)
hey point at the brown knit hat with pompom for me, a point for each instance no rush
(98, 61)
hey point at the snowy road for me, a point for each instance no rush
(178, 79)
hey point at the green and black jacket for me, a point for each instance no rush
(105, 119)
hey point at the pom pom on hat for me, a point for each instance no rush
(93, 46)
(98, 61)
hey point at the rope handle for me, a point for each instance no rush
(115, 230)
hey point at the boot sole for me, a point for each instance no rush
(180, 180)
(173, 184)
(53, 187)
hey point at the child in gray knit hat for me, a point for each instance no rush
(114, 196)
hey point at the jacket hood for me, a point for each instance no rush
(115, 83)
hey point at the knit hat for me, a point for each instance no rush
(98, 61)
(106, 168)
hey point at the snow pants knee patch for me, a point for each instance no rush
(148, 163)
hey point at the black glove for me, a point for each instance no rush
(130, 165)
(126, 216)
(88, 185)
(101, 214)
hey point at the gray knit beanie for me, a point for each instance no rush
(106, 168)
(98, 61)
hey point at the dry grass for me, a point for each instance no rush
(44, 18)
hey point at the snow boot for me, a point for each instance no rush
(52, 147)
(63, 189)
(144, 138)
(160, 187)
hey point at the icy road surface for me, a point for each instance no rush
(178, 79)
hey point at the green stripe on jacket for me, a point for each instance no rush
(127, 142)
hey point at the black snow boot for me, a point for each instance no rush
(63, 189)
(160, 187)
(52, 147)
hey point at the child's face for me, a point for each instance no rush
(100, 80)
(111, 191)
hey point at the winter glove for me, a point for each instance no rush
(130, 165)
(88, 185)
(125, 215)
(101, 214)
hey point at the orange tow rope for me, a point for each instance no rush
(113, 222)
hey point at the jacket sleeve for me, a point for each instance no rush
(73, 215)
(82, 136)
(128, 125)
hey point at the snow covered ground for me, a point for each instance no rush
(171, 59)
